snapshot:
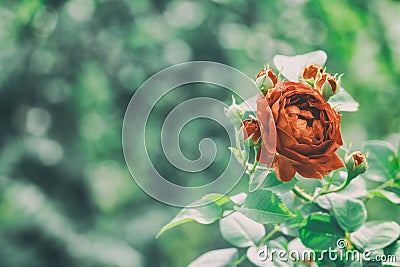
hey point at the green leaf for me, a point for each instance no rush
(292, 66)
(320, 232)
(219, 199)
(374, 259)
(239, 198)
(256, 180)
(296, 244)
(394, 249)
(323, 202)
(343, 101)
(392, 197)
(381, 161)
(264, 206)
(353, 264)
(304, 252)
(356, 189)
(217, 258)
(309, 208)
(246, 149)
(336, 177)
(289, 199)
(350, 213)
(205, 214)
(291, 227)
(398, 155)
(237, 154)
(375, 235)
(241, 231)
(323, 260)
(275, 185)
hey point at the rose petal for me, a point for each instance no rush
(284, 170)
(268, 133)
(306, 114)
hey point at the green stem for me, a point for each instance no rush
(300, 193)
(255, 164)
(226, 215)
(250, 166)
(253, 169)
(386, 184)
(337, 189)
(239, 261)
(389, 183)
(294, 225)
(269, 235)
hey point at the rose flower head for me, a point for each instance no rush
(266, 79)
(308, 131)
(252, 128)
(328, 84)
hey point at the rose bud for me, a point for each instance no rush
(328, 85)
(312, 72)
(252, 128)
(234, 113)
(266, 79)
(356, 164)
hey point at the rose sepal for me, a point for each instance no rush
(234, 113)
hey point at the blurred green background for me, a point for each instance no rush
(69, 68)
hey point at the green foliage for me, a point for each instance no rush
(68, 69)
(205, 214)
(333, 216)
(343, 101)
(383, 163)
(264, 206)
(321, 231)
(216, 258)
(241, 231)
(205, 211)
(256, 180)
(392, 197)
(375, 235)
(349, 213)
(394, 249)
(275, 185)
(252, 252)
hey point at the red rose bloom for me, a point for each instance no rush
(308, 131)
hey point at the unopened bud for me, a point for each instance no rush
(312, 72)
(234, 113)
(252, 128)
(328, 85)
(266, 79)
(356, 164)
